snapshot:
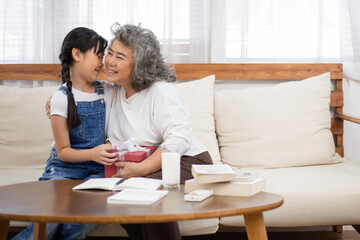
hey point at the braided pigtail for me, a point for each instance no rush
(85, 40)
(73, 119)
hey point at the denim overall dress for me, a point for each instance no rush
(90, 133)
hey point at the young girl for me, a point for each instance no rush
(78, 123)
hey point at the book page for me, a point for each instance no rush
(213, 169)
(98, 183)
(137, 196)
(140, 183)
(117, 184)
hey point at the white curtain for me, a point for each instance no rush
(193, 30)
(199, 31)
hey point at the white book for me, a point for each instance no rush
(212, 173)
(137, 196)
(245, 176)
(117, 184)
(232, 188)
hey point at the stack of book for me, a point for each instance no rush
(223, 180)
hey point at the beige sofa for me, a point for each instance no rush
(285, 133)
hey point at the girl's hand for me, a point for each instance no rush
(103, 155)
(129, 169)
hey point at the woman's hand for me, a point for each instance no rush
(129, 169)
(103, 155)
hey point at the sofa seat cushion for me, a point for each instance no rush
(19, 175)
(314, 196)
(187, 228)
(199, 226)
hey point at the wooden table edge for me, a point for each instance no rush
(142, 218)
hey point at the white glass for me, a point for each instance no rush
(170, 167)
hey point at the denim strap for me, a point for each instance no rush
(64, 90)
(98, 86)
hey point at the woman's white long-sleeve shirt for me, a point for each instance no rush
(152, 116)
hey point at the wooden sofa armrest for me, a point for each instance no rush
(349, 118)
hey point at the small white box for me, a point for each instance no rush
(198, 195)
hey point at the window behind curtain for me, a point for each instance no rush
(282, 29)
(32, 29)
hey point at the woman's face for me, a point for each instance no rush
(119, 63)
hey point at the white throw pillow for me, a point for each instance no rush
(280, 126)
(25, 132)
(199, 96)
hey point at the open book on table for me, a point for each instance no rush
(137, 196)
(117, 184)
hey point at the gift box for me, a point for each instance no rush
(126, 156)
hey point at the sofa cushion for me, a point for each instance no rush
(25, 132)
(199, 96)
(199, 226)
(19, 175)
(313, 196)
(187, 228)
(280, 126)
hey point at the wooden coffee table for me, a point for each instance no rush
(55, 201)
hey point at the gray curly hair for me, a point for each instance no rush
(149, 64)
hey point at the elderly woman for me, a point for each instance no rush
(145, 105)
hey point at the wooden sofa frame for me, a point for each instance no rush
(224, 72)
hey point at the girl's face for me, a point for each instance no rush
(91, 65)
(119, 63)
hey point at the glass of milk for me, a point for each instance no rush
(170, 166)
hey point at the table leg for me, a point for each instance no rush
(255, 226)
(39, 231)
(4, 228)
